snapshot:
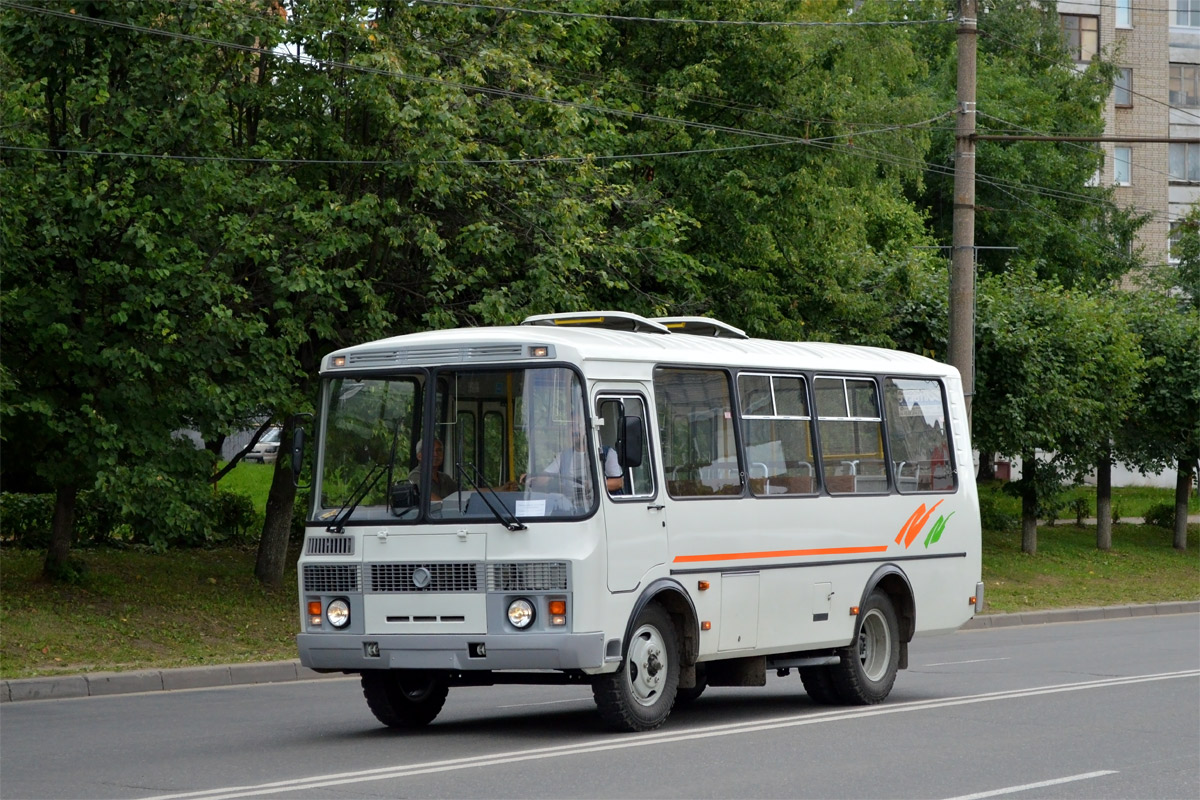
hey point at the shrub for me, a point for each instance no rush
(25, 519)
(1161, 515)
(993, 516)
(233, 516)
(1082, 509)
(142, 517)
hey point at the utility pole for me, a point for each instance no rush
(962, 259)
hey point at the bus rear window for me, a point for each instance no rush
(917, 438)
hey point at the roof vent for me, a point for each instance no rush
(610, 320)
(701, 326)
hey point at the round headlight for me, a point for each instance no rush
(338, 613)
(520, 613)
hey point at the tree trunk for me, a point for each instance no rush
(1183, 487)
(1029, 504)
(987, 467)
(277, 527)
(1104, 522)
(57, 565)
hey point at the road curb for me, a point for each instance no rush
(1079, 615)
(99, 684)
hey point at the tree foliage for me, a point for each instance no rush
(799, 219)
(202, 199)
(1057, 374)
(1034, 199)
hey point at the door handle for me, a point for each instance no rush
(653, 507)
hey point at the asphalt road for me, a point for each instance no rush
(1103, 709)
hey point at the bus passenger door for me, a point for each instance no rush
(634, 516)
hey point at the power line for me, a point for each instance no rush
(556, 159)
(1139, 164)
(683, 21)
(774, 139)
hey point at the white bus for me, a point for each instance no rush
(646, 506)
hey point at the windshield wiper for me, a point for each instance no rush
(507, 519)
(364, 487)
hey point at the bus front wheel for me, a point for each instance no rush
(868, 667)
(639, 695)
(404, 698)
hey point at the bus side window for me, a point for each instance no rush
(777, 431)
(636, 480)
(700, 455)
(851, 431)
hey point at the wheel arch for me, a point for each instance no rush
(892, 581)
(671, 595)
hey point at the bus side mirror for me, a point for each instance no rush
(298, 446)
(630, 435)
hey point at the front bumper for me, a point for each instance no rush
(340, 651)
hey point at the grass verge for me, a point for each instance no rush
(136, 610)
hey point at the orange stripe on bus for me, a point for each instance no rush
(823, 551)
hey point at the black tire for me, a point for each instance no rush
(869, 664)
(639, 695)
(688, 695)
(818, 683)
(404, 698)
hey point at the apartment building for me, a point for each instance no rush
(1156, 43)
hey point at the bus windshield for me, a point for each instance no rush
(507, 444)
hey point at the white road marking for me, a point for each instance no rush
(1039, 785)
(972, 661)
(649, 739)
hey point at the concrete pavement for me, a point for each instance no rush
(157, 680)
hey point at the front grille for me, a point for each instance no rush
(424, 577)
(536, 576)
(330, 546)
(331, 578)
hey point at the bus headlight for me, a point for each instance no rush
(338, 613)
(520, 613)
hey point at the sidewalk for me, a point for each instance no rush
(158, 680)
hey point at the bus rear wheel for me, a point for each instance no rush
(639, 695)
(868, 668)
(404, 698)
(818, 683)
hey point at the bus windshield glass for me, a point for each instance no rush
(507, 445)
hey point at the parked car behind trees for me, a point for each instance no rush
(266, 449)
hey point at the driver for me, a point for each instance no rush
(570, 464)
(443, 484)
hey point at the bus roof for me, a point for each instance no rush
(623, 340)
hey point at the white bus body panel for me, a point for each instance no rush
(783, 573)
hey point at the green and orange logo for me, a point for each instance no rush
(908, 534)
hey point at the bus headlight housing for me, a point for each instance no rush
(338, 613)
(520, 613)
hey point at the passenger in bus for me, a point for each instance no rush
(443, 484)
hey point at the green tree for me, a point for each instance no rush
(1057, 373)
(1033, 199)
(796, 174)
(108, 301)
(1163, 429)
